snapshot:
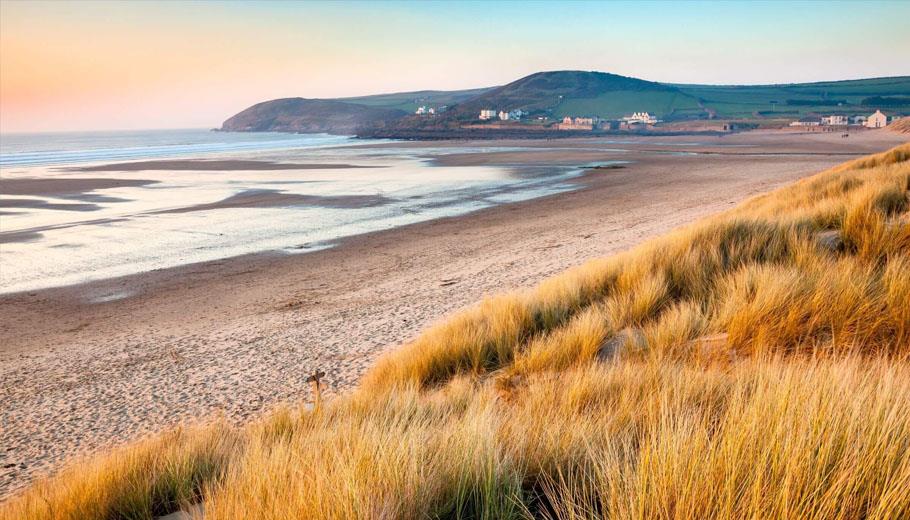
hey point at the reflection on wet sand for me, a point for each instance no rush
(264, 198)
(209, 165)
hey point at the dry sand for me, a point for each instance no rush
(94, 365)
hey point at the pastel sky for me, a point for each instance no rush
(111, 65)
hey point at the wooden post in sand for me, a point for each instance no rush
(317, 387)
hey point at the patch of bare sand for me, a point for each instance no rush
(89, 366)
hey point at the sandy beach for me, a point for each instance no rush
(89, 366)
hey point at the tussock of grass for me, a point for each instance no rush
(153, 477)
(753, 365)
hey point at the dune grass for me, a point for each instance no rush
(752, 365)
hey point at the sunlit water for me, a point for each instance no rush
(77, 237)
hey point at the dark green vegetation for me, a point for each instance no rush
(309, 116)
(838, 97)
(576, 93)
(409, 101)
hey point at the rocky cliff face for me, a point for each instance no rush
(310, 116)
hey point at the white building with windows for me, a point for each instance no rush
(877, 120)
(422, 110)
(640, 118)
(487, 113)
(807, 121)
(834, 120)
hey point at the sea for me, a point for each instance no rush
(73, 209)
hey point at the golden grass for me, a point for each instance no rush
(753, 365)
(901, 125)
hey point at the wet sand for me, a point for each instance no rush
(64, 187)
(209, 165)
(89, 366)
(272, 198)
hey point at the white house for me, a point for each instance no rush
(503, 115)
(487, 113)
(877, 120)
(834, 120)
(807, 121)
(643, 118)
(421, 110)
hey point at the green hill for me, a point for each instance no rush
(557, 94)
(309, 115)
(851, 96)
(409, 101)
(599, 94)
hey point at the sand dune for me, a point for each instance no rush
(90, 366)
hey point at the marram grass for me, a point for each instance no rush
(752, 365)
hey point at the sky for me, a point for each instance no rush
(72, 66)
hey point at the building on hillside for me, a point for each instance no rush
(877, 120)
(511, 115)
(577, 123)
(640, 118)
(834, 120)
(807, 121)
(421, 110)
(858, 120)
(431, 111)
(487, 113)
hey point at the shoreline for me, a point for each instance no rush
(116, 359)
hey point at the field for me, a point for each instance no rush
(615, 105)
(751, 365)
(772, 100)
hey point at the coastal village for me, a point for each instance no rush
(491, 118)
(878, 119)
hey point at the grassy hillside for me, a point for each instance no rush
(409, 101)
(752, 365)
(574, 93)
(615, 105)
(577, 93)
(804, 98)
(309, 115)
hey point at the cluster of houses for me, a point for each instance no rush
(578, 123)
(636, 120)
(876, 120)
(645, 119)
(430, 111)
(640, 118)
(575, 123)
(502, 115)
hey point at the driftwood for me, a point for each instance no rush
(315, 380)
